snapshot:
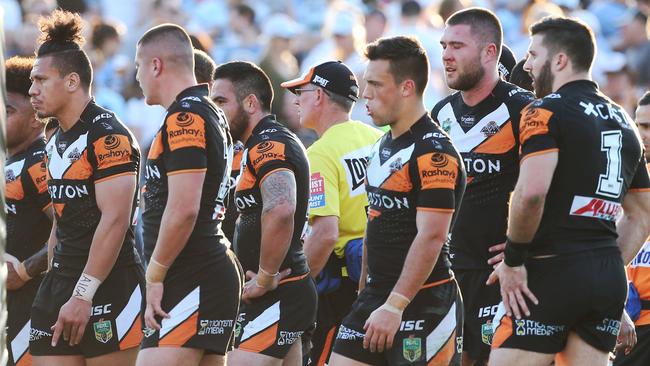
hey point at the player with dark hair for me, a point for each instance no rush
(633, 345)
(87, 310)
(204, 67)
(579, 212)
(29, 208)
(279, 300)
(193, 279)
(482, 119)
(409, 309)
(520, 77)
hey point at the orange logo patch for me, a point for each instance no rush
(534, 121)
(185, 129)
(437, 170)
(265, 152)
(38, 173)
(112, 150)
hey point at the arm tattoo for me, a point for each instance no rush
(37, 263)
(278, 188)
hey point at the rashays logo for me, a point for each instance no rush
(443, 174)
(184, 120)
(111, 142)
(264, 147)
(439, 160)
(114, 150)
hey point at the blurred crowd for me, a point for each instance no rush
(287, 37)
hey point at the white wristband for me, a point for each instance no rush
(86, 287)
(391, 308)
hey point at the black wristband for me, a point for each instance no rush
(515, 253)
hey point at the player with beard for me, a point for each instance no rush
(279, 300)
(29, 207)
(87, 309)
(193, 279)
(482, 119)
(579, 212)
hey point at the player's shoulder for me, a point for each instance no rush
(553, 102)
(443, 102)
(513, 95)
(102, 122)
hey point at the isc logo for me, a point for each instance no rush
(408, 325)
(100, 309)
(487, 311)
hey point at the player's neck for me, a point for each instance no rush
(330, 118)
(253, 120)
(481, 90)
(11, 151)
(174, 86)
(411, 113)
(71, 113)
(561, 80)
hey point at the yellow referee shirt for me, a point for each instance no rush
(338, 172)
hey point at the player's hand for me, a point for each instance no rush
(72, 321)
(154, 298)
(252, 290)
(498, 249)
(380, 328)
(14, 282)
(514, 285)
(627, 336)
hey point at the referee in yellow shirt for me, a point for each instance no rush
(337, 204)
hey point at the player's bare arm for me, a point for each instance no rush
(19, 273)
(383, 323)
(526, 208)
(176, 225)
(278, 190)
(321, 242)
(105, 247)
(634, 225)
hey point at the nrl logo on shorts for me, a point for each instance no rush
(487, 333)
(103, 330)
(412, 348)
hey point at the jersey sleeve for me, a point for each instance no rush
(38, 181)
(269, 156)
(186, 143)
(323, 186)
(641, 180)
(537, 130)
(115, 153)
(437, 174)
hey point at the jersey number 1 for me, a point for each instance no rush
(610, 183)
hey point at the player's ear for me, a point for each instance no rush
(157, 66)
(560, 61)
(408, 87)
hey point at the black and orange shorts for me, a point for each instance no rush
(431, 332)
(115, 322)
(19, 323)
(582, 293)
(202, 302)
(271, 324)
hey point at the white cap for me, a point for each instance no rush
(282, 26)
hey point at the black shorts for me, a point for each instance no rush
(114, 322)
(582, 293)
(271, 324)
(18, 321)
(202, 302)
(481, 302)
(640, 354)
(332, 308)
(431, 332)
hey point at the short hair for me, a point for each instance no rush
(342, 101)
(61, 38)
(406, 56)
(645, 99)
(570, 35)
(102, 32)
(181, 51)
(204, 67)
(483, 24)
(411, 8)
(248, 79)
(17, 75)
(245, 11)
